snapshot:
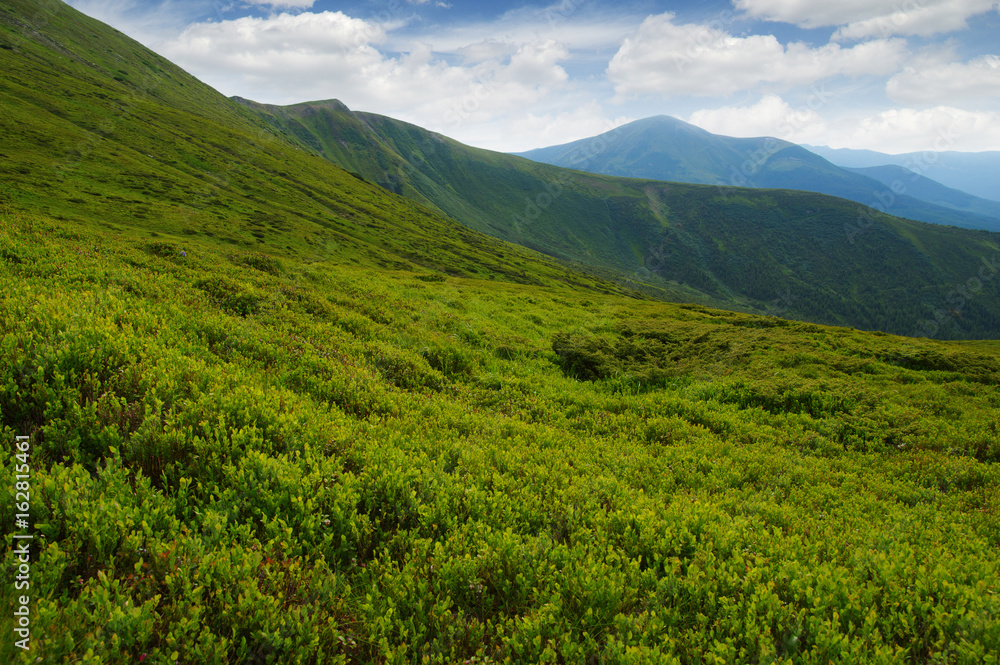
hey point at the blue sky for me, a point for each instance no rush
(888, 75)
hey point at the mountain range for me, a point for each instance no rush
(793, 253)
(665, 148)
(977, 173)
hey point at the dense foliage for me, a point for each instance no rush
(279, 415)
(307, 463)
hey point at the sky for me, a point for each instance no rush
(888, 75)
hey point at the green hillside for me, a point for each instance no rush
(275, 414)
(794, 254)
(117, 136)
(665, 148)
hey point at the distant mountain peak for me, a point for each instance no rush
(666, 148)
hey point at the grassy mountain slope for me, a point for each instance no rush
(925, 189)
(665, 148)
(270, 449)
(112, 133)
(795, 254)
(977, 173)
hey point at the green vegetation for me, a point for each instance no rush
(796, 254)
(360, 465)
(280, 415)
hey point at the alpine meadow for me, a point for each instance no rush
(283, 385)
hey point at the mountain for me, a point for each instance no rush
(796, 254)
(665, 148)
(977, 173)
(902, 179)
(260, 411)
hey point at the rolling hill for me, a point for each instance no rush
(665, 148)
(257, 410)
(794, 254)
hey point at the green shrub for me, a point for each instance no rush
(231, 296)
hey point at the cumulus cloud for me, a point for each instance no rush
(910, 130)
(669, 59)
(861, 19)
(283, 52)
(975, 81)
(535, 128)
(290, 58)
(771, 116)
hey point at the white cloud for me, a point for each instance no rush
(891, 131)
(912, 130)
(975, 81)
(537, 64)
(577, 30)
(282, 4)
(292, 58)
(815, 13)
(487, 49)
(863, 19)
(285, 51)
(918, 19)
(526, 130)
(669, 59)
(771, 116)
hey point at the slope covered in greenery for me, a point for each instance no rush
(665, 148)
(795, 254)
(97, 128)
(270, 449)
(298, 462)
